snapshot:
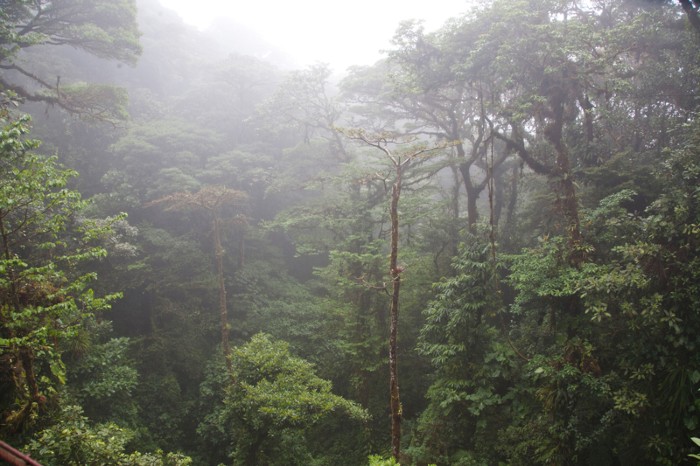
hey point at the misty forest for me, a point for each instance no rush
(483, 249)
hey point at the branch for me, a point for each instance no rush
(26, 95)
(26, 73)
(519, 147)
(361, 281)
(691, 10)
(379, 141)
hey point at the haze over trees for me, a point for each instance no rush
(208, 258)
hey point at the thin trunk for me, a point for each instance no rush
(254, 449)
(512, 199)
(223, 309)
(400, 163)
(362, 330)
(499, 197)
(566, 188)
(454, 207)
(26, 357)
(393, 326)
(472, 198)
(472, 192)
(339, 144)
(559, 173)
(241, 252)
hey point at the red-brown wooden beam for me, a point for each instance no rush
(15, 457)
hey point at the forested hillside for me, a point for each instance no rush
(484, 249)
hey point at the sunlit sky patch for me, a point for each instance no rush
(340, 33)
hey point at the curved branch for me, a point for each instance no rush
(26, 73)
(524, 154)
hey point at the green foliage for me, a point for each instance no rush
(589, 349)
(161, 157)
(558, 352)
(378, 460)
(270, 406)
(471, 366)
(283, 387)
(104, 29)
(46, 297)
(696, 441)
(104, 380)
(613, 346)
(74, 441)
(269, 300)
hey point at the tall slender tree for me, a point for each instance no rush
(400, 161)
(212, 200)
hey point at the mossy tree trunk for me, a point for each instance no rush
(400, 162)
(212, 199)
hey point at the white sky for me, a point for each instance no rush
(342, 33)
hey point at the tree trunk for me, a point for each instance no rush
(26, 357)
(472, 191)
(400, 163)
(395, 270)
(565, 182)
(691, 10)
(454, 221)
(512, 199)
(472, 210)
(223, 309)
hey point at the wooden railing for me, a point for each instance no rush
(15, 457)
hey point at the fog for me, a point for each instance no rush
(309, 31)
(221, 243)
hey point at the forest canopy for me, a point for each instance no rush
(482, 249)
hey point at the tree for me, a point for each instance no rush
(212, 200)
(691, 9)
(471, 361)
(106, 29)
(270, 410)
(158, 157)
(341, 228)
(400, 161)
(102, 378)
(73, 440)
(433, 89)
(305, 105)
(45, 298)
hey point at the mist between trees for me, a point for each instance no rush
(483, 249)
